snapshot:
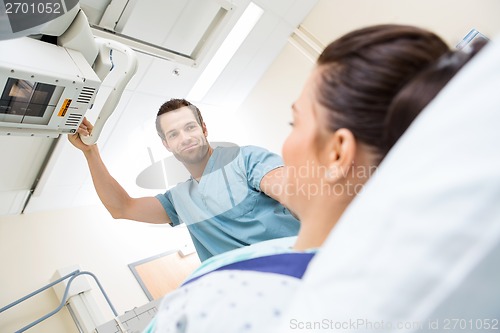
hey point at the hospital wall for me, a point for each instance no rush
(33, 246)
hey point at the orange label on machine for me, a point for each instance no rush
(64, 107)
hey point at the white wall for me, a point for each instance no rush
(33, 246)
(451, 19)
(265, 116)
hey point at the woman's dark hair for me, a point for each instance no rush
(175, 104)
(415, 96)
(362, 71)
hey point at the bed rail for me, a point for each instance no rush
(71, 276)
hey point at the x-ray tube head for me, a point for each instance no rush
(45, 89)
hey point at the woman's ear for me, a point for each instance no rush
(339, 153)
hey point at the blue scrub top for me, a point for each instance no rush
(226, 209)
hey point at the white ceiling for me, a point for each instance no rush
(41, 174)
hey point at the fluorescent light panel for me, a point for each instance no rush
(233, 41)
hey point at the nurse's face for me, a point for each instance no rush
(184, 137)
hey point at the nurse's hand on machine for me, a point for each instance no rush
(84, 129)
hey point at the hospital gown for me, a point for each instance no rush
(247, 295)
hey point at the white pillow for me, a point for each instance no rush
(422, 242)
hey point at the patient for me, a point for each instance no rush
(334, 147)
(403, 258)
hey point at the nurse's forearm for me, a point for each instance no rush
(110, 192)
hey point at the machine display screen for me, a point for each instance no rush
(26, 98)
